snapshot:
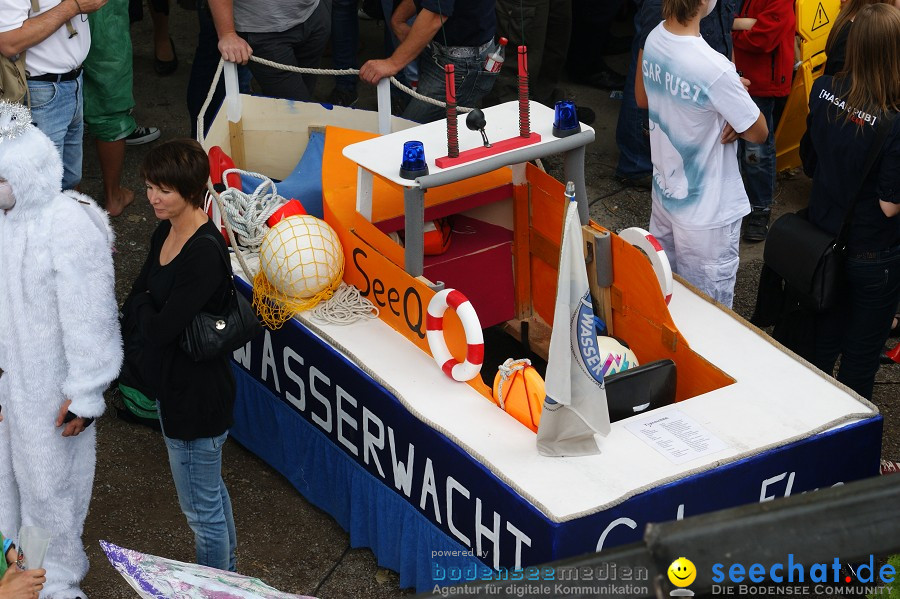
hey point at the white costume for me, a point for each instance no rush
(59, 339)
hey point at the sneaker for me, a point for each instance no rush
(343, 96)
(757, 225)
(142, 135)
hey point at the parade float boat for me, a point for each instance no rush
(429, 472)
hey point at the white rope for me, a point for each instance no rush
(201, 131)
(338, 72)
(346, 306)
(508, 369)
(303, 70)
(248, 273)
(307, 71)
(248, 213)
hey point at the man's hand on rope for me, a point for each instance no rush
(374, 71)
(234, 48)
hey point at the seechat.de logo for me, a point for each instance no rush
(682, 573)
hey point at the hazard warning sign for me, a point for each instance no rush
(821, 18)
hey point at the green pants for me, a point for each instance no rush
(108, 97)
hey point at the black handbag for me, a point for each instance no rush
(211, 335)
(810, 260)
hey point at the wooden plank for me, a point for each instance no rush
(642, 319)
(544, 250)
(538, 334)
(522, 250)
(236, 134)
(600, 296)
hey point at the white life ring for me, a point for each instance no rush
(434, 332)
(650, 247)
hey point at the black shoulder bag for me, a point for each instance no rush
(211, 335)
(811, 261)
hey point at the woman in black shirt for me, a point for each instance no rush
(844, 114)
(184, 274)
(836, 44)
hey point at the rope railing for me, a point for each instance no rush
(310, 71)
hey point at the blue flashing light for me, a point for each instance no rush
(413, 164)
(565, 119)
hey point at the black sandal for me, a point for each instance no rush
(895, 326)
(166, 67)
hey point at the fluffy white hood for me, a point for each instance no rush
(28, 160)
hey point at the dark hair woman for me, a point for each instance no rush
(836, 44)
(845, 112)
(184, 274)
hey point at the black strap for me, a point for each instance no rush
(881, 133)
(221, 253)
(225, 259)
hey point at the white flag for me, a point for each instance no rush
(575, 407)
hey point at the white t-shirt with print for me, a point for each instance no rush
(59, 53)
(692, 91)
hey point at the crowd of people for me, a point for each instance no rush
(701, 100)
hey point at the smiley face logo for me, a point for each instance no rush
(682, 572)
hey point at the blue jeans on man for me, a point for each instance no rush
(203, 70)
(857, 329)
(57, 109)
(758, 161)
(344, 39)
(632, 135)
(472, 81)
(197, 471)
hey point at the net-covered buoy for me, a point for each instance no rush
(301, 264)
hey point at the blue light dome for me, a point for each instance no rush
(565, 119)
(413, 164)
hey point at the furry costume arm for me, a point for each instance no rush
(84, 282)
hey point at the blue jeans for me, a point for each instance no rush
(632, 135)
(344, 39)
(197, 470)
(858, 328)
(410, 72)
(472, 82)
(758, 161)
(57, 109)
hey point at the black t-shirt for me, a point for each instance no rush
(837, 151)
(838, 54)
(470, 22)
(196, 398)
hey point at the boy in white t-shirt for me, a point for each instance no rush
(697, 106)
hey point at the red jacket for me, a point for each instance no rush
(765, 53)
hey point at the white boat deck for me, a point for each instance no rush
(776, 400)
